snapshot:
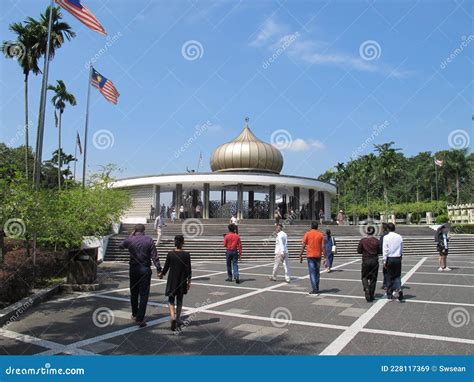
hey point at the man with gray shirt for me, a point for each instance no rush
(392, 259)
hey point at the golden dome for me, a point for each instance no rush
(247, 153)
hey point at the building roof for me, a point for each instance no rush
(247, 153)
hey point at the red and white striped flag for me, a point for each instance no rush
(83, 14)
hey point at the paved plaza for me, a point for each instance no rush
(259, 316)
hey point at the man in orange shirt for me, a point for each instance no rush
(313, 242)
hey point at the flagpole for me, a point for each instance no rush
(75, 157)
(86, 128)
(40, 130)
(41, 114)
(436, 180)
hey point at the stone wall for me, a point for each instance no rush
(461, 213)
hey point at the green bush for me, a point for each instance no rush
(443, 218)
(463, 228)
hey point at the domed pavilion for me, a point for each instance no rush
(245, 181)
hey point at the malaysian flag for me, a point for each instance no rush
(438, 162)
(83, 14)
(78, 142)
(105, 86)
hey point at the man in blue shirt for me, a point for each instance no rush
(142, 253)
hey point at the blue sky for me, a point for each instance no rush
(315, 75)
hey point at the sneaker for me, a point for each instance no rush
(271, 278)
(447, 269)
(440, 269)
(141, 324)
(228, 279)
(400, 296)
(396, 294)
(237, 281)
(288, 281)
(314, 292)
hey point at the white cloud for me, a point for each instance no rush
(268, 30)
(273, 35)
(300, 144)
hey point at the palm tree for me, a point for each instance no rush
(455, 166)
(388, 160)
(23, 50)
(60, 31)
(60, 98)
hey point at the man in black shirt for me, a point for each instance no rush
(142, 253)
(369, 248)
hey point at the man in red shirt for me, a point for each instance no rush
(233, 247)
(313, 242)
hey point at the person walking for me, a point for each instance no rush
(142, 253)
(152, 212)
(178, 263)
(321, 216)
(235, 222)
(341, 217)
(173, 215)
(281, 254)
(313, 243)
(384, 270)
(369, 248)
(392, 259)
(181, 213)
(442, 240)
(233, 246)
(277, 216)
(329, 249)
(159, 224)
(198, 211)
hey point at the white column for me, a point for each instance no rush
(327, 206)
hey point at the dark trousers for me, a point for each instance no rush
(370, 269)
(232, 258)
(394, 272)
(140, 278)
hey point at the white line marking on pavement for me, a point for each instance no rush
(56, 347)
(348, 335)
(418, 336)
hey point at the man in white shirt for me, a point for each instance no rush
(159, 224)
(392, 259)
(281, 253)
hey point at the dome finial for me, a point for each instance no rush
(247, 119)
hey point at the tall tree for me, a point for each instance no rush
(60, 98)
(388, 165)
(23, 49)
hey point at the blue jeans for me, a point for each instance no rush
(232, 263)
(314, 263)
(329, 257)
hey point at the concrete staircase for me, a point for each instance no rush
(204, 239)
